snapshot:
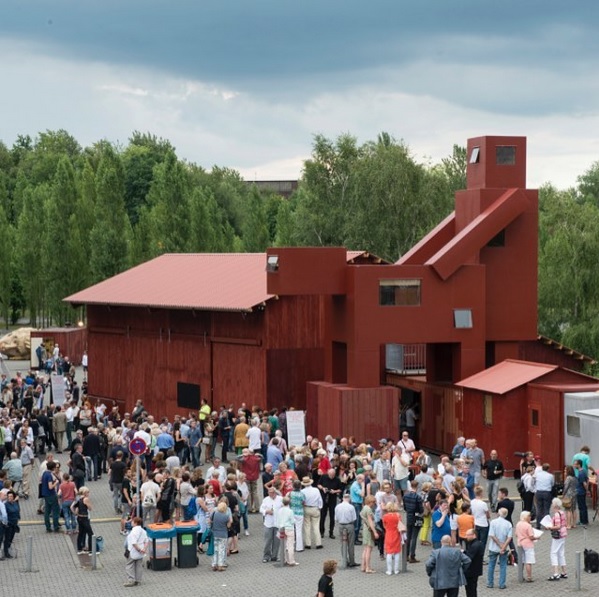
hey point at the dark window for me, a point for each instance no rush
(399, 292)
(573, 425)
(534, 417)
(505, 155)
(498, 240)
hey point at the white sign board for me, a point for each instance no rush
(57, 382)
(296, 427)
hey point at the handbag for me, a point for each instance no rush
(556, 534)
(419, 520)
(401, 527)
(567, 502)
(127, 553)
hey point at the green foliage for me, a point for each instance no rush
(255, 230)
(568, 276)
(6, 271)
(169, 206)
(110, 234)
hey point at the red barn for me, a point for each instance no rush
(183, 326)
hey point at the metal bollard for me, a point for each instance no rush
(578, 572)
(29, 555)
(404, 557)
(94, 554)
(520, 564)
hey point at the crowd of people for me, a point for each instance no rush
(385, 497)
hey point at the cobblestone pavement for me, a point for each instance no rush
(60, 572)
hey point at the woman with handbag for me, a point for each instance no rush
(394, 528)
(569, 496)
(559, 533)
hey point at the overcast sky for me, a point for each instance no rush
(248, 83)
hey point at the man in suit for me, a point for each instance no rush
(475, 551)
(446, 568)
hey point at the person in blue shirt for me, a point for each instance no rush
(440, 524)
(274, 455)
(13, 515)
(49, 485)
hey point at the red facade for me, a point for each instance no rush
(234, 357)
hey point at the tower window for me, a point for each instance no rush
(505, 155)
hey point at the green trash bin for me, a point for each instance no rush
(187, 544)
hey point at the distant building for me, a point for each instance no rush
(285, 188)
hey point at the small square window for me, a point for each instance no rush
(462, 318)
(475, 155)
(488, 410)
(505, 155)
(573, 426)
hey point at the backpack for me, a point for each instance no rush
(520, 487)
(192, 509)
(591, 561)
(149, 500)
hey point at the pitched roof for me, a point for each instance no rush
(506, 376)
(202, 281)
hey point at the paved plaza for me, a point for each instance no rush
(60, 572)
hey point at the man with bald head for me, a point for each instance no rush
(446, 567)
(476, 552)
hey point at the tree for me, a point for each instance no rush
(57, 249)
(111, 231)
(285, 228)
(323, 196)
(568, 276)
(202, 235)
(144, 153)
(454, 168)
(168, 200)
(255, 230)
(30, 250)
(6, 265)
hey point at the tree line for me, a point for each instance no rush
(71, 216)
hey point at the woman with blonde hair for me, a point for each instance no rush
(369, 533)
(391, 523)
(559, 533)
(525, 538)
(82, 506)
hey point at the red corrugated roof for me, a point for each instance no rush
(203, 281)
(506, 376)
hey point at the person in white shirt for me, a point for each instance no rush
(254, 436)
(269, 508)
(406, 445)
(137, 545)
(400, 471)
(217, 467)
(150, 493)
(480, 511)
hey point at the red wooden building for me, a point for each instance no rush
(467, 292)
(204, 323)
(323, 329)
